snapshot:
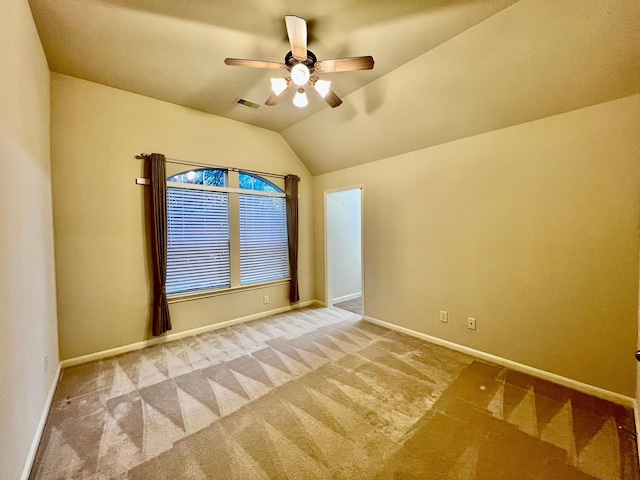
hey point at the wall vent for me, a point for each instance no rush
(246, 103)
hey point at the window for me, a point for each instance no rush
(264, 253)
(209, 231)
(198, 256)
(213, 177)
(253, 182)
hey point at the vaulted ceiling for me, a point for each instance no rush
(444, 69)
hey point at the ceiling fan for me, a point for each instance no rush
(303, 65)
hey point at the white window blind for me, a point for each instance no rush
(198, 240)
(263, 238)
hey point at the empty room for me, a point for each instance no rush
(319, 240)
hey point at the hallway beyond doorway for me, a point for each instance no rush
(354, 305)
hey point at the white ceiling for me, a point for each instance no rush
(445, 69)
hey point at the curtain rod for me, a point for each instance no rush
(143, 156)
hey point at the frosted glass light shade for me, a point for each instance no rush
(322, 87)
(300, 74)
(300, 100)
(278, 85)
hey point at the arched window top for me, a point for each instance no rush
(218, 177)
(213, 177)
(250, 181)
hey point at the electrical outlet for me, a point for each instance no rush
(444, 316)
(471, 323)
(265, 299)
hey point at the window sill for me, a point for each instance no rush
(185, 297)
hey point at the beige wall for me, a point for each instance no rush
(102, 257)
(27, 290)
(532, 229)
(638, 366)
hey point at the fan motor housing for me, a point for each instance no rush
(291, 61)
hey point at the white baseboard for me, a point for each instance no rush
(40, 428)
(344, 298)
(519, 367)
(70, 362)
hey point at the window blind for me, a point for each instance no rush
(263, 238)
(198, 240)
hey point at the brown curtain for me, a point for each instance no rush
(161, 321)
(291, 190)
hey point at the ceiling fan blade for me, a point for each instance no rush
(297, 32)
(344, 64)
(274, 99)
(241, 62)
(332, 99)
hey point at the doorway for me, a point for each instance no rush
(344, 252)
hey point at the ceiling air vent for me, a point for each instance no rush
(246, 103)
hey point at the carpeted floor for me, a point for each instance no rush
(353, 306)
(320, 394)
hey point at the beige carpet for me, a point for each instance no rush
(319, 394)
(353, 306)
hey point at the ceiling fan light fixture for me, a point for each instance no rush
(323, 87)
(300, 100)
(301, 62)
(278, 85)
(300, 74)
